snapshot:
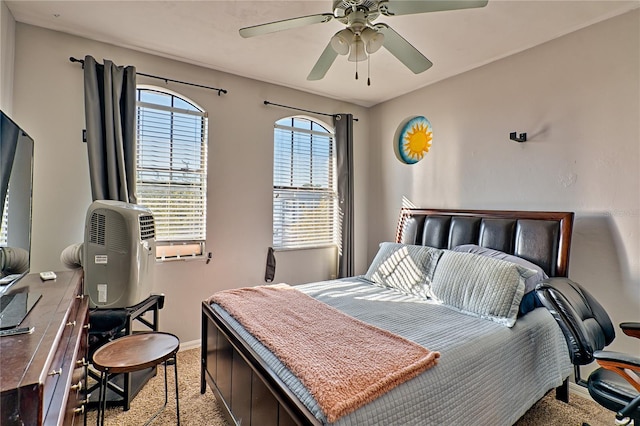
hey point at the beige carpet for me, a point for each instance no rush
(202, 410)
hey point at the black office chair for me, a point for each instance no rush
(588, 329)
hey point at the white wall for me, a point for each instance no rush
(49, 104)
(578, 100)
(7, 49)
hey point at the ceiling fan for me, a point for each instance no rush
(362, 37)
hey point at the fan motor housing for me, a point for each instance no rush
(342, 9)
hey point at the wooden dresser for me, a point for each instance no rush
(43, 374)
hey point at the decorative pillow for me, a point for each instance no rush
(529, 284)
(404, 267)
(529, 302)
(480, 286)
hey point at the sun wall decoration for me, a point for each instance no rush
(413, 140)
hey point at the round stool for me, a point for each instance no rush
(132, 353)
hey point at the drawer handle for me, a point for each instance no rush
(77, 386)
(81, 362)
(72, 323)
(87, 326)
(79, 410)
(80, 296)
(56, 372)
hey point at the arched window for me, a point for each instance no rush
(172, 170)
(304, 185)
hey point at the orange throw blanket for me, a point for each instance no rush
(344, 362)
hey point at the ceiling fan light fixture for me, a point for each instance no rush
(361, 38)
(358, 52)
(341, 41)
(372, 39)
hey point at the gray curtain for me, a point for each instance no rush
(343, 124)
(110, 102)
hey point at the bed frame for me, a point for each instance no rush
(249, 392)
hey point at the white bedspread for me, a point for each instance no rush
(488, 374)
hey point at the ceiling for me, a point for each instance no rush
(206, 33)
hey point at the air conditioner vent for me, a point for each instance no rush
(147, 228)
(97, 229)
(118, 238)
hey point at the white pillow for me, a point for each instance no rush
(404, 267)
(529, 284)
(480, 286)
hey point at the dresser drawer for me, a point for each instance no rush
(60, 368)
(76, 407)
(67, 394)
(76, 390)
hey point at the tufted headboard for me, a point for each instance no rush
(543, 238)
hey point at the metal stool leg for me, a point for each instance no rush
(99, 399)
(166, 398)
(102, 397)
(166, 386)
(175, 371)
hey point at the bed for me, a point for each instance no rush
(492, 366)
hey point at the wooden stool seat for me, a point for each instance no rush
(136, 352)
(132, 353)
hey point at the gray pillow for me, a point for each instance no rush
(480, 286)
(529, 283)
(404, 267)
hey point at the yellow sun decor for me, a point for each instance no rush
(414, 140)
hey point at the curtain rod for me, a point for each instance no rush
(166, 80)
(303, 110)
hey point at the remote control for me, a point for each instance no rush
(47, 275)
(14, 331)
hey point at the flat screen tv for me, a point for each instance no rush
(16, 182)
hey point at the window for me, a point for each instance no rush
(172, 170)
(304, 188)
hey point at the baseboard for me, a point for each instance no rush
(185, 346)
(576, 389)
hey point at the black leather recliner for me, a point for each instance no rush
(588, 329)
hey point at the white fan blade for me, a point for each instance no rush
(407, 7)
(285, 24)
(324, 63)
(403, 50)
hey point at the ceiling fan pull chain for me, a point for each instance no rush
(369, 70)
(356, 70)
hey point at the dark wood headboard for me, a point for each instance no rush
(543, 238)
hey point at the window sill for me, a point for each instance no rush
(180, 251)
(328, 246)
(181, 259)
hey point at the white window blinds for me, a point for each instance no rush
(172, 165)
(304, 190)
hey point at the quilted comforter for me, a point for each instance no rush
(488, 374)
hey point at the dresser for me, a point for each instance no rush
(43, 374)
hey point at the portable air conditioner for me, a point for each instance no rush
(119, 254)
